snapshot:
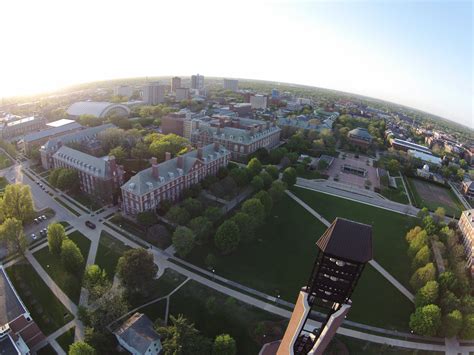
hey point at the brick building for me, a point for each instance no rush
(360, 136)
(18, 331)
(99, 177)
(18, 126)
(466, 226)
(167, 180)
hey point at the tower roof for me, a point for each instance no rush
(347, 239)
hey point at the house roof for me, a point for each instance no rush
(31, 137)
(348, 240)
(144, 181)
(82, 161)
(11, 306)
(138, 332)
(360, 132)
(94, 108)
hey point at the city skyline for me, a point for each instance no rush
(414, 54)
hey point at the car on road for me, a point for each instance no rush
(36, 220)
(33, 236)
(90, 224)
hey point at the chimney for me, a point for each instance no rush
(180, 162)
(216, 146)
(167, 156)
(154, 168)
(199, 153)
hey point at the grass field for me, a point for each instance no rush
(398, 194)
(5, 161)
(109, 251)
(280, 260)
(66, 339)
(69, 283)
(432, 196)
(47, 311)
(46, 350)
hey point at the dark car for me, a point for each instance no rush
(90, 224)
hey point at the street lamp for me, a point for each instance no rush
(213, 274)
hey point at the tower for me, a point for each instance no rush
(344, 249)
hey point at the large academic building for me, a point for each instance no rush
(466, 226)
(167, 180)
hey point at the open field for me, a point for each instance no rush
(109, 251)
(280, 260)
(52, 264)
(432, 196)
(47, 311)
(66, 339)
(398, 195)
(5, 161)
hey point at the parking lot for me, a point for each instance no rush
(362, 162)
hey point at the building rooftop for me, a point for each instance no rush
(411, 145)
(360, 132)
(430, 158)
(59, 123)
(21, 121)
(94, 108)
(143, 182)
(138, 332)
(8, 346)
(348, 240)
(82, 161)
(469, 216)
(11, 306)
(31, 137)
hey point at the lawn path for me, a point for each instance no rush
(406, 190)
(372, 262)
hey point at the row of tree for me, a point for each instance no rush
(64, 179)
(63, 247)
(444, 304)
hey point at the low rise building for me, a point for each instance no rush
(424, 157)
(138, 336)
(400, 144)
(466, 227)
(99, 177)
(167, 180)
(34, 140)
(242, 109)
(20, 126)
(123, 90)
(467, 189)
(231, 84)
(182, 94)
(258, 102)
(18, 331)
(360, 136)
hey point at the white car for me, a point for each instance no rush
(33, 236)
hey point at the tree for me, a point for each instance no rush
(254, 208)
(423, 213)
(210, 260)
(18, 202)
(468, 327)
(289, 176)
(147, 218)
(71, 256)
(273, 171)
(422, 276)
(178, 215)
(213, 214)
(449, 302)
(439, 214)
(448, 281)
(277, 191)
(56, 236)
(227, 237)
(240, 176)
(245, 224)
(452, 323)
(393, 166)
(183, 240)
(257, 183)
(254, 167)
(136, 270)
(420, 240)
(421, 258)
(81, 348)
(202, 228)
(95, 281)
(467, 304)
(266, 200)
(426, 320)
(224, 344)
(428, 294)
(266, 178)
(67, 179)
(412, 233)
(11, 232)
(182, 338)
(170, 143)
(119, 153)
(429, 225)
(108, 308)
(193, 206)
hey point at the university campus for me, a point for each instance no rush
(201, 214)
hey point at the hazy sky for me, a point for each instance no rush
(415, 53)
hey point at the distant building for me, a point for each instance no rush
(400, 144)
(99, 177)
(36, 139)
(97, 109)
(19, 126)
(427, 158)
(167, 180)
(123, 90)
(18, 332)
(243, 109)
(467, 188)
(173, 123)
(154, 93)
(360, 136)
(182, 94)
(231, 84)
(50, 147)
(258, 102)
(175, 83)
(138, 336)
(466, 227)
(301, 122)
(275, 94)
(197, 82)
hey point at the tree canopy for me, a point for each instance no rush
(183, 240)
(136, 269)
(227, 237)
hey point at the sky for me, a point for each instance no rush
(419, 54)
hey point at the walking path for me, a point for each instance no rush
(372, 262)
(406, 190)
(461, 198)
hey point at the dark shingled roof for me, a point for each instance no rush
(138, 332)
(347, 239)
(10, 305)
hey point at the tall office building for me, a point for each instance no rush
(197, 82)
(182, 94)
(344, 249)
(231, 84)
(175, 83)
(154, 93)
(275, 94)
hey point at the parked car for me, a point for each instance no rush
(90, 224)
(36, 220)
(33, 236)
(43, 217)
(43, 232)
